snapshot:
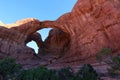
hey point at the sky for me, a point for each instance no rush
(13, 10)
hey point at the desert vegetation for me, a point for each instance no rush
(10, 70)
(112, 60)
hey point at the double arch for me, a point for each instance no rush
(57, 41)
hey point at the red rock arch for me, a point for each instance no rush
(92, 25)
(59, 35)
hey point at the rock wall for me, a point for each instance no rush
(92, 25)
(76, 36)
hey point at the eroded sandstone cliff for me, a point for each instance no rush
(76, 36)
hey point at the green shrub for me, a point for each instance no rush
(114, 64)
(86, 72)
(104, 54)
(9, 69)
(39, 73)
(66, 74)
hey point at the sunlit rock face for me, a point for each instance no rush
(13, 38)
(92, 25)
(76, 36)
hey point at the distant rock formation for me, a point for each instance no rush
(76, 36)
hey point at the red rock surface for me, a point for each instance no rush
(92, 25)
(76, 36)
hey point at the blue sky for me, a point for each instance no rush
(13, 10)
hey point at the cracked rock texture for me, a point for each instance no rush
(76, 36)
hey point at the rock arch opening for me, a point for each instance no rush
(51, 41)
(44, 33)
(34, 41)
(33, 45)
(57, 42)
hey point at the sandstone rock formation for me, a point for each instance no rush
(76, 36)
